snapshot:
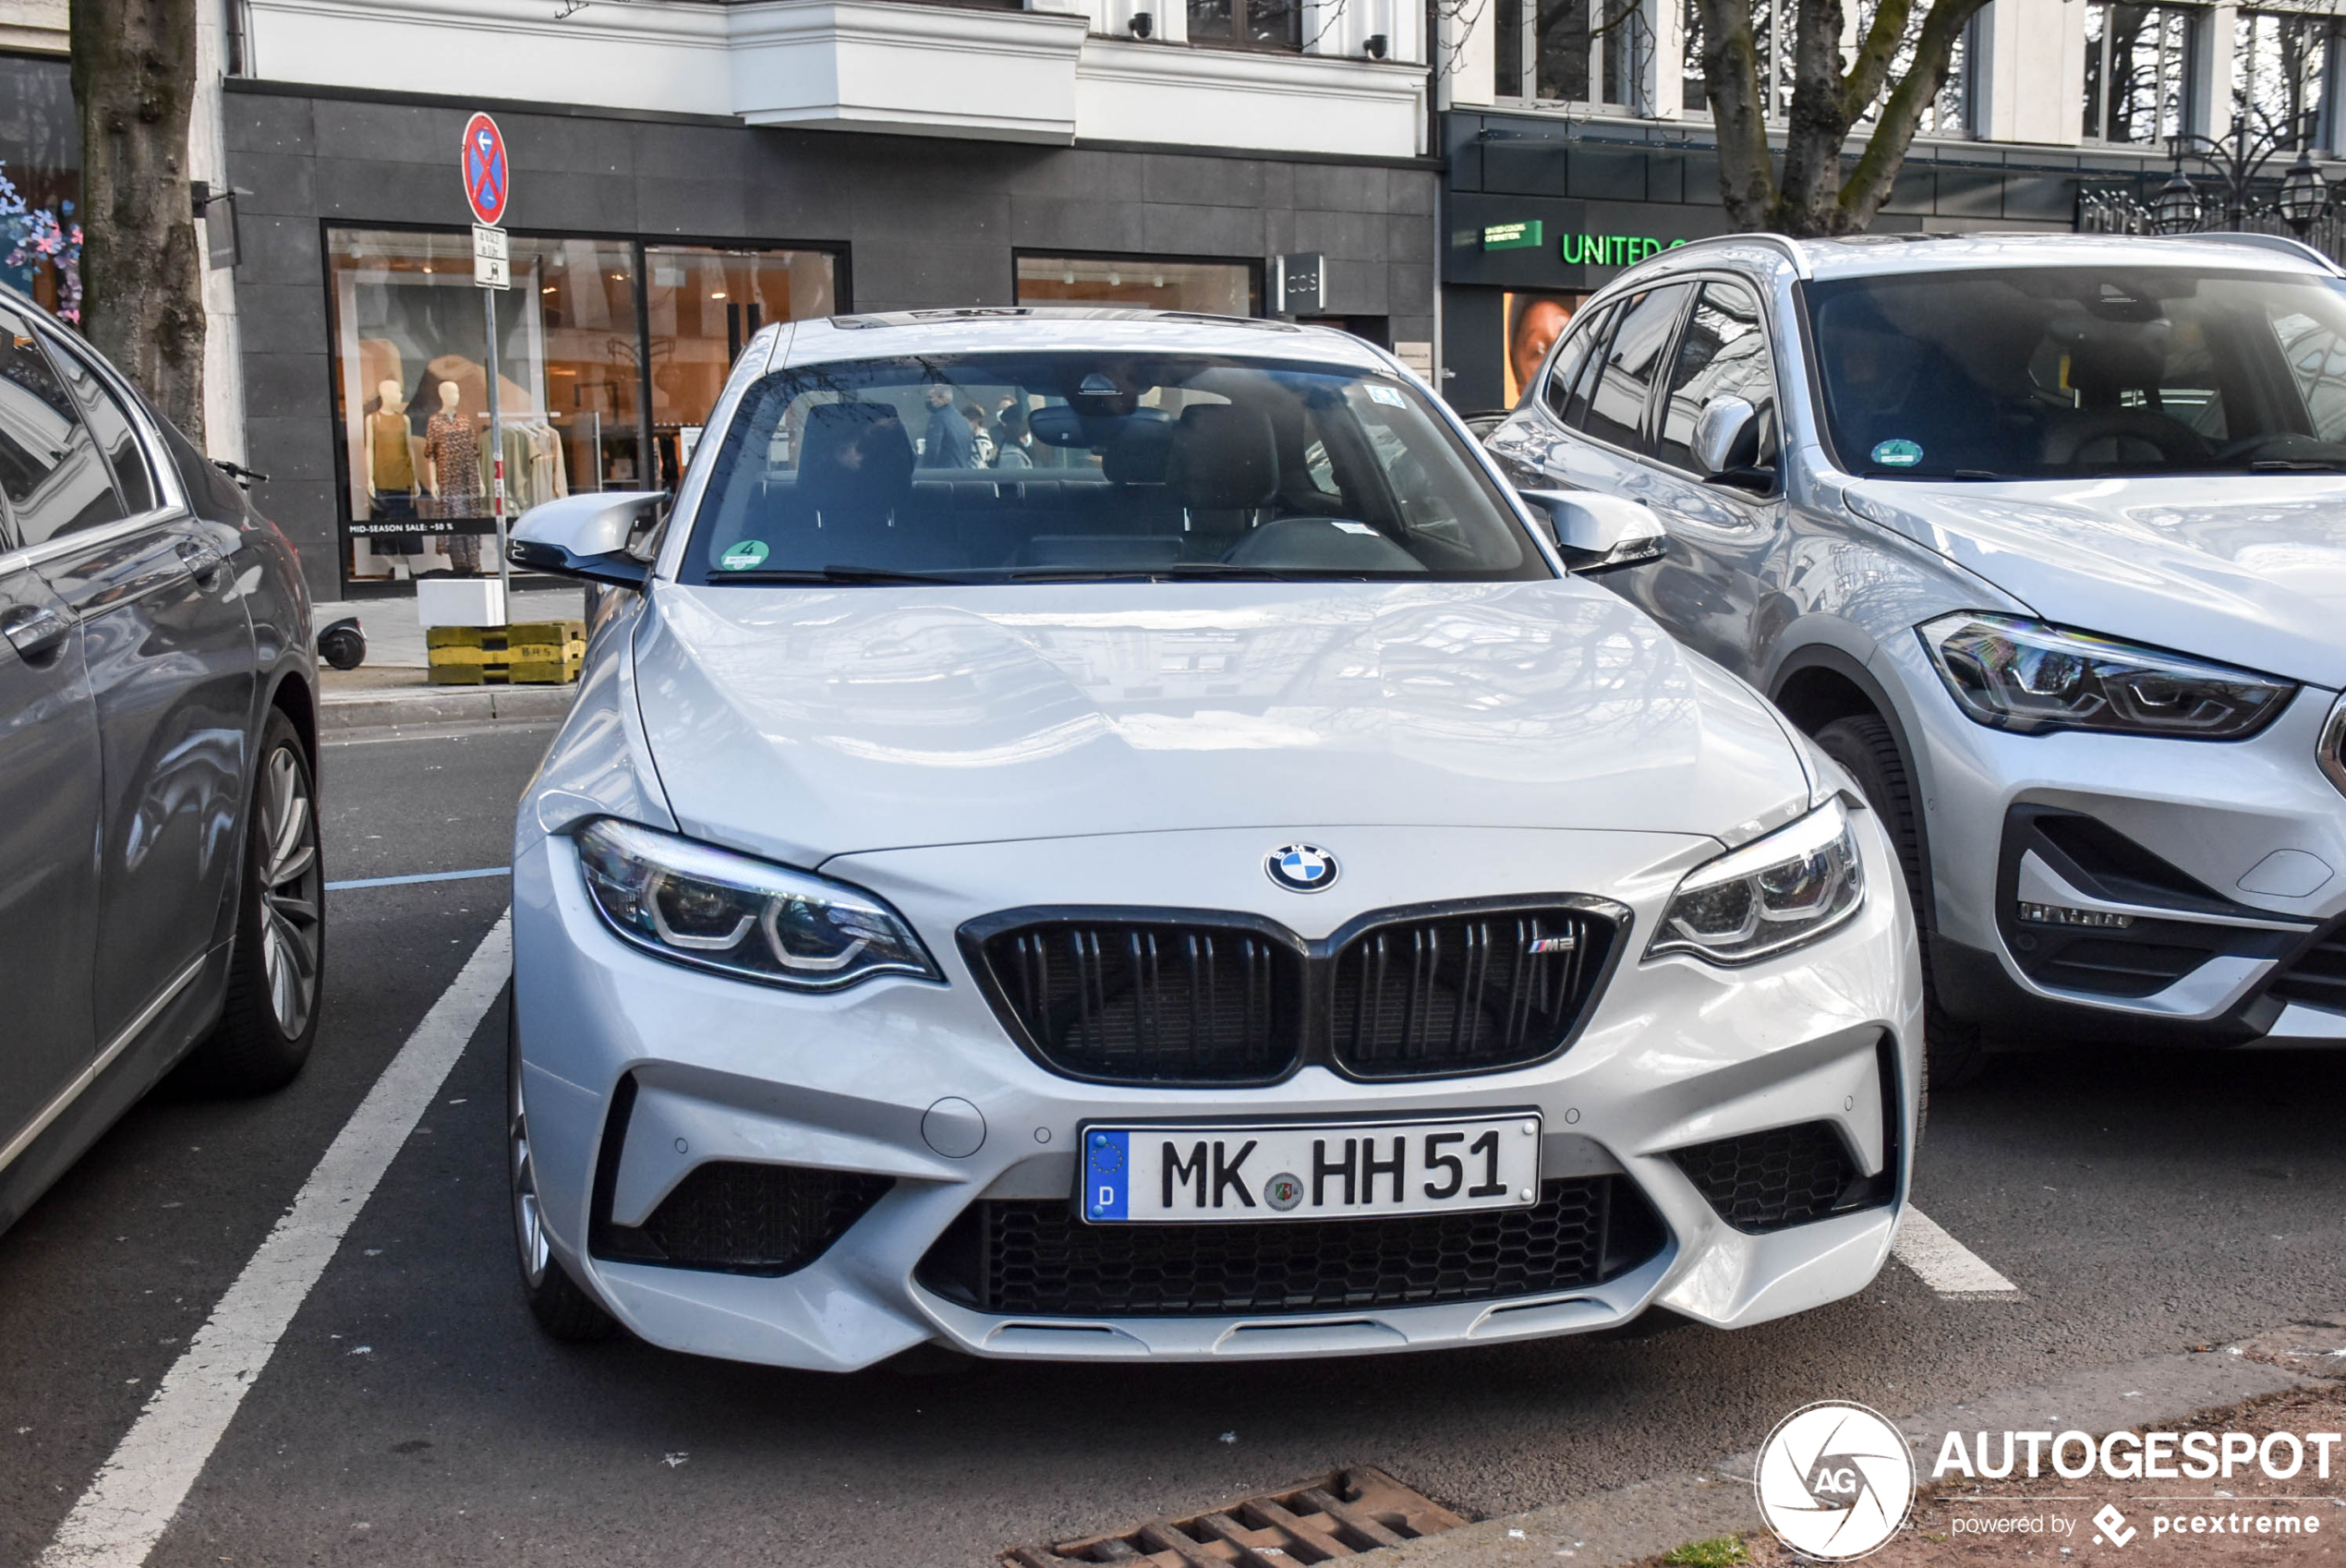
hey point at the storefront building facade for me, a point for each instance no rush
(650, 241)
(1576, 139)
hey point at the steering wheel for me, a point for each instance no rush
(2178, 444)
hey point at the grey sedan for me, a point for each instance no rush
(159, 884)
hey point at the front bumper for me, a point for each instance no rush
(879, 1080)
(2252, 832)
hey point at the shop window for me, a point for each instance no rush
(2284, 66)
(1216, 288)
(1571, 51)
(1534, 322)
(40, 183)
(702, 306)
(2138, 71)
(611, 356)
(1250, 24)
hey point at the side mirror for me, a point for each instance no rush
(587, 535)
(1600, 533)
(1726, 445)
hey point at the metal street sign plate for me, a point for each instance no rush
(492, 272)
(490, 244)
(488, 176)
(1302, 284)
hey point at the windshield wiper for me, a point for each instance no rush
(835, 575)
(2298, 465)
(1202, 569)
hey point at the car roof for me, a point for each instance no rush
(1880, 254)
(996, 328)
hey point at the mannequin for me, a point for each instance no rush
(451, 473)
(390, 473)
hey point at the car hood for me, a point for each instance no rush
(802, 724)
(2246, 570)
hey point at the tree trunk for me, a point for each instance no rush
(1812, 198)
(134, 81)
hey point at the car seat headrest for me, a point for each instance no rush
(1223, 458)
(857, 461)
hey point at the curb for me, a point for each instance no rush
(442, 705)
(1634, 1524)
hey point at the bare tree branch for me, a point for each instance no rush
(1812, 197)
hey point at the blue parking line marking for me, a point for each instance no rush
(1107, 1170)
(420, 876)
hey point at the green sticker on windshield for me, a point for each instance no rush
(743, 556)
(1897, 453)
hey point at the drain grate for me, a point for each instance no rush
(1338, 1516)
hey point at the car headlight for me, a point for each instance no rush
(1774, 893)
(709, 908)
(2024, 675)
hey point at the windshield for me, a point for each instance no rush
(2082, 370)
(1052, 466)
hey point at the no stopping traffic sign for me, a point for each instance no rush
(487, 177)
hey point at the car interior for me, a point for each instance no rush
(1133, 466)
(2080, 371)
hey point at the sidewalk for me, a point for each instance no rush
(392, 687)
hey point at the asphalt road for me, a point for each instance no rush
(2142, 1202)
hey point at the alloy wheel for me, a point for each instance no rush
(529, 1226)
(291, 892)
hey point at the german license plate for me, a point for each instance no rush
(1309, 1170)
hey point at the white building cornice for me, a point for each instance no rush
(1039, 75)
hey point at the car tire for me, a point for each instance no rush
(276, 963)
(1952, 1054)
(560, 1305)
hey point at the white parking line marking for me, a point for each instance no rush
(138, 1488)
(419, 877)
(1945, 1264)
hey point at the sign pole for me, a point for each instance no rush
(497, 457)
(487, 187)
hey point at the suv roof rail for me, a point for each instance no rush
(1790, 247)
(2281, 243)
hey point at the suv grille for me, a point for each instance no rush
(1152, 1004)
(1190, 1001)
(1027, 1259)
(1459, 994)
(1787, 1175)
(746, 1219)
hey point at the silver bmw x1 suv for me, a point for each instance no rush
(2044, 539)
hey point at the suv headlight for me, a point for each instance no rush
(2024, 675)
(1774, 893)
(711, 908)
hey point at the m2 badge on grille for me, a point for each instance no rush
(1308, 1171)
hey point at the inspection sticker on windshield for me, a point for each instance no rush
(1389, 396)
(1897, 453)
(1310, 1170)
(743, 556)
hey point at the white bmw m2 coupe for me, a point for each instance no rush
(1103, 834)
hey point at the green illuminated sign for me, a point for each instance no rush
(1512, 236)
(1610, 250)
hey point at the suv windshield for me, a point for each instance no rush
(1057, 465)
(2082, 370)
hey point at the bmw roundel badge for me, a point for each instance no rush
(1301, 868)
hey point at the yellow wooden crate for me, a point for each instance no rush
(535, 653)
